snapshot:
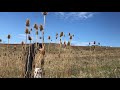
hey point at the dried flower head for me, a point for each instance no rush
(40, 37)
(8, 36)
(69, 34)
(27, 22)
(29, 38)
(22, 43)
(44, 13)
(41, 27)
(61, 34)
(26, 31)
(68, 43)
(31, 29)
(0, 40)
(49, 37)
(70, 37)
(36, 26)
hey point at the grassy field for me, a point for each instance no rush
(74, 62)
(81, 62)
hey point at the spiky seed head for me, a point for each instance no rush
(69, 34)
(31, 29)
(22, 43)
(89, 43)
(94, 42)
(41, 27)
(44, 13)
(29, 38)
(61, 34)
(49, 37)
(40, 37)
(26, 31)
(36, 26)
(8, 36)
(70, 37)
(0, 40)
(36, 32)
(27, 22)
(68, 43)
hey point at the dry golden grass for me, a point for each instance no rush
(74, 62)
(12, 62)
(82, 63)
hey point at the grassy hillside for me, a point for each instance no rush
(81, 62)
(12, 61)
(74, 62)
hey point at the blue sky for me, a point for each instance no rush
(103, 27)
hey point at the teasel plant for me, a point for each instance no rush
(0, 40)
(94, 45)
(61, 34)
(22, 43)
(9, 36)
(30, 39)
(69, 34)
(64, 45)
(49, 43)
(56, 38)
(42, 30)
(36, 28)
(44, 14)
(26, 32)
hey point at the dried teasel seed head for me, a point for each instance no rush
(8, 36)
(69, 34)
(49, 37)
(44, 13)
(41, 27)
(22, 43)
(40, 37)
(70, 37)
(68, 43)
(27, 22)
(26, 31)
(29, 38)
(61, 34)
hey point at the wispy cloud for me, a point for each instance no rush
(75, 15)
(76, 43)
(22, 36)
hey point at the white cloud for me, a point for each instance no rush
(22, 36)
(76, 43)
(75, 15)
